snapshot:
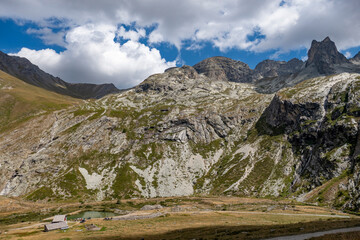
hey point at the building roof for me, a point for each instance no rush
(54, 226)
(59, 218)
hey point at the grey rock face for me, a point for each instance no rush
(268, 75)
(32, 74)
(225, 69)
(271, 68)
(158, 84)
(323, 55)
(357, 56)
(323, 132)
(356, 59)
(286, 116)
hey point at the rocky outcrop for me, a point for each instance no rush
(323, 128)
(225, 69)
(271, 68)
(159, 82)
(357, 57)
(32, 74)
(283, 116)
(269, 75)
(323, 55)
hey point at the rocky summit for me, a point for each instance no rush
(323, 55)
(284, 129)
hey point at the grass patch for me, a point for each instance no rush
(41, 194)
(147, 154)
(123, 185)
(24, 101)
(206, 149)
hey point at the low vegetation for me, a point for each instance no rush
(20, 101)
(182, 218)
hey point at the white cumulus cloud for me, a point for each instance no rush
(289, 24)
(131, 34)
(93, 56)
(347, 54)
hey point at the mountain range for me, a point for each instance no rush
(284, 129)
(32, 74)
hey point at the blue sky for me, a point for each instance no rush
(15, 37)
(123, 42)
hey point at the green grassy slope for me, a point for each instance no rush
(20, 101)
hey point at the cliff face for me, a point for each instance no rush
(271, 68)
(356, 59)
(32, 74)
(225, 69)
(323, 128)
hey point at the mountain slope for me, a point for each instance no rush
(20, 101)
(321, 119)
(183, 133)
(30, 73)
(129, 144)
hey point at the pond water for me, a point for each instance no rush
(91, 214)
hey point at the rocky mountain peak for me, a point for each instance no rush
(357, 57)
(327, 39)
(323, 55)
(172, 80)
(224, 69)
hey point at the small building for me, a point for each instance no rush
(58, 222)
(55, 226)
(59, 218)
